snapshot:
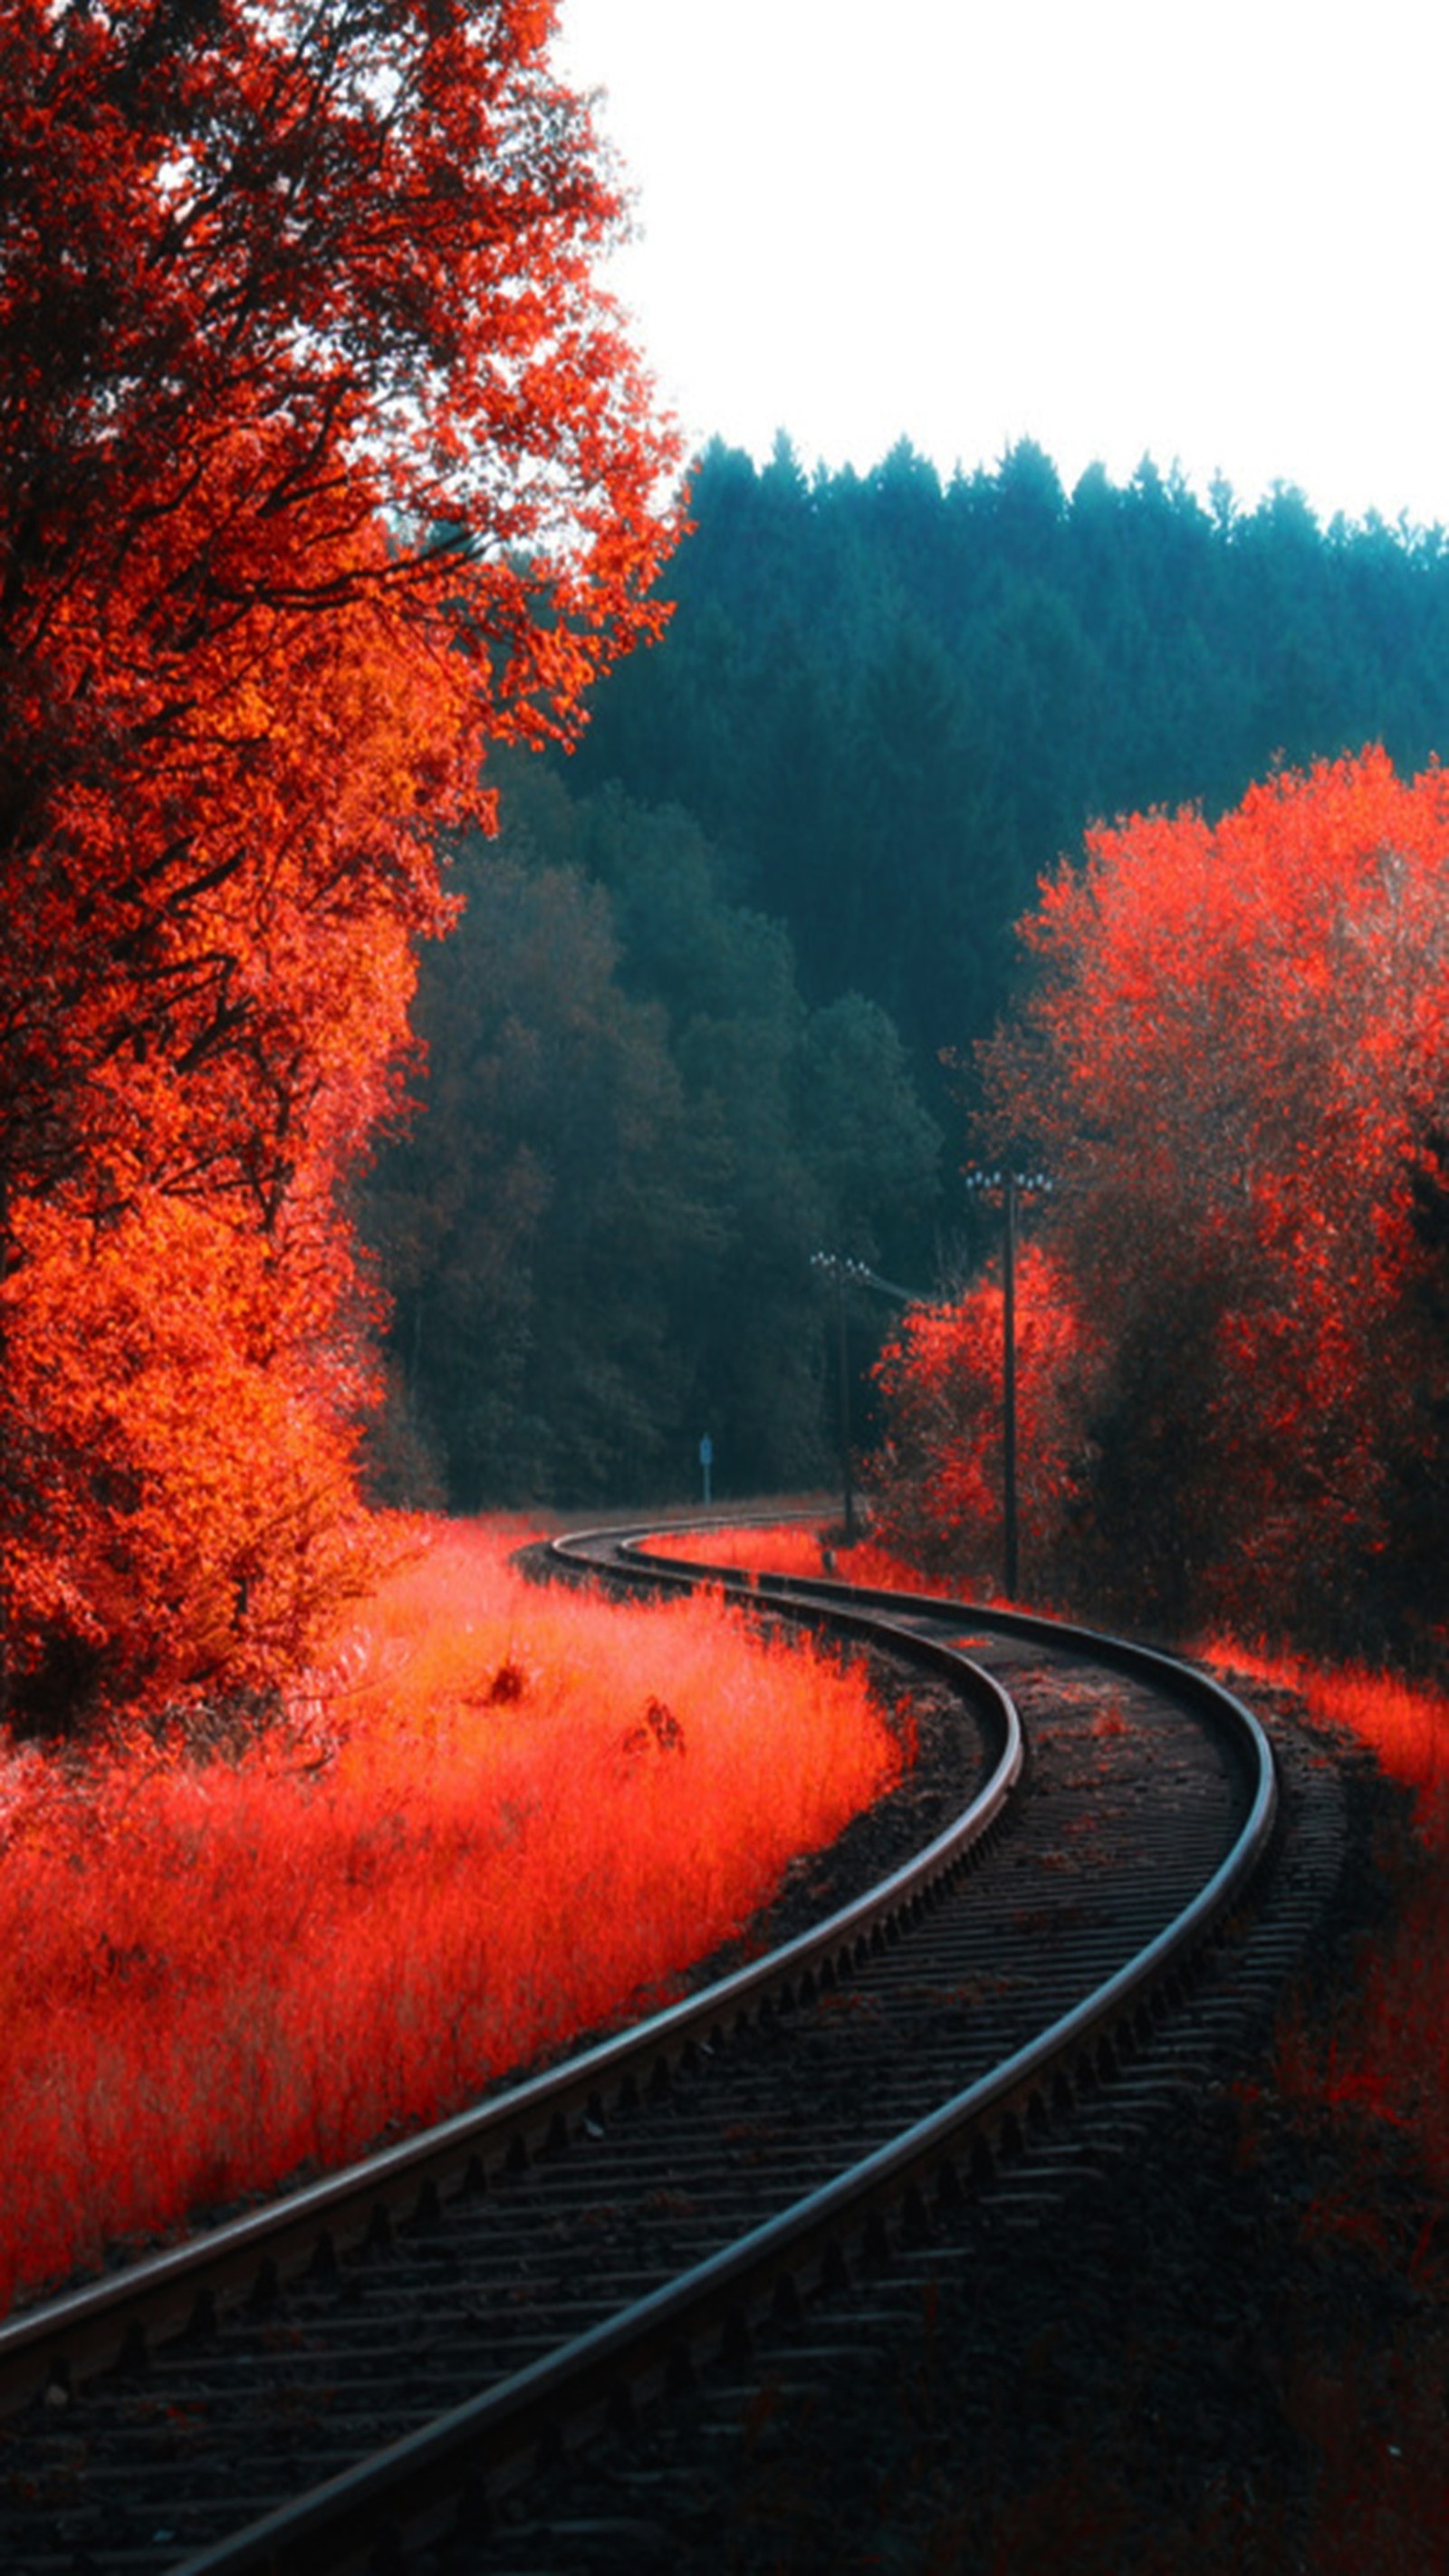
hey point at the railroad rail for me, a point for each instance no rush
(375, 2366)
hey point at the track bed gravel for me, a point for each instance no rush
(1228, 2356)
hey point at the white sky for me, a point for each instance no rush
(1217, 235)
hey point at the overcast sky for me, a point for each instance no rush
(1217, 235)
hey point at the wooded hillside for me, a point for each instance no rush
(693, 1029)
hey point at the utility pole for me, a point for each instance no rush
(842, 1380)
(1008, 1388)
(1011, 1186)
(848, 1273)
(838, 1267)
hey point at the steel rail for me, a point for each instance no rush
(485, 2441)
(1185, 1681)
(1230, 1715)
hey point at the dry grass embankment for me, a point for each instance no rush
(498, 1818)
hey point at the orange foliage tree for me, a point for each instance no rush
(937, 1478)
(1235, 1060)
(323, 462)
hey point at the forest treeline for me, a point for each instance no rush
(692, 1028)
(597, 1238)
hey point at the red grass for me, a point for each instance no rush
(500, 1816)
(796, 1548)
(1406, 1726)
(1389, 2051)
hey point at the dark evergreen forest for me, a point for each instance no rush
(712, 1005)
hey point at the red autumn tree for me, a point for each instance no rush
(1235, 1060)
(937, 1477)
(323, 462)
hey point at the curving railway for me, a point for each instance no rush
(387, 2369)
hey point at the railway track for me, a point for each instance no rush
(374, 2369)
